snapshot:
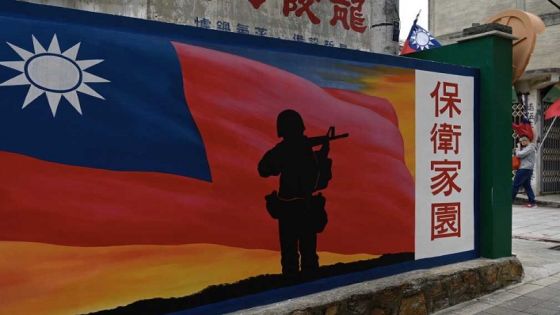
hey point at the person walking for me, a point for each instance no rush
(526, 153)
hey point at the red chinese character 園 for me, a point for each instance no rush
(349, 13)
(450, 93)
(444, 181)
(299, 7)
(445, 137)
(446, 220)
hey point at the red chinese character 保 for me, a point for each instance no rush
(445, 137)
(444, 181)
(300, 7)
(446, 220)
(450, 93)
(349, 13)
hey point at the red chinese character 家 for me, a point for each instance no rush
(444, 181)
(446, 220)
(445, 137)
(349, 13)
(449, 98)
(300, 7)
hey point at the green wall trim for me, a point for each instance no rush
(514, 98)
(491, 54)
(553, 94)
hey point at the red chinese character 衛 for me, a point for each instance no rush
(445, 137)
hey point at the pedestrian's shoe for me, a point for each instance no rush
(531, 205)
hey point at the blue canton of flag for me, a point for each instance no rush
(418, 39)
(111, 100)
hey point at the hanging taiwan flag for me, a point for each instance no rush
(523, 128)
(418, 39)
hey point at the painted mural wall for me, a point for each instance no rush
(370, 25)
(141, 160)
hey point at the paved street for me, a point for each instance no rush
(535, 233)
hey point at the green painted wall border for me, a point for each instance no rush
(553, 94)
(492, 54)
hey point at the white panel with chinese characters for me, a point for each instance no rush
(444, 164)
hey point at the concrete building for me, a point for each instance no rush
(537, 88)
(371, 26)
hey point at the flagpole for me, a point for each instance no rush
(406, 48)
(546, 134)
(417, 16)
(414, 23)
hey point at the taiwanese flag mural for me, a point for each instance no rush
(129, 160)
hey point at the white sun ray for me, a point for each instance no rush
(84, 64)
(89, 91)
(24, 54)
(16, 65)
(39, 49)
(21, 79)
(72, 53)
(72, 98)
(32, 94)
(54, 100)
(54, 74)
(90, 78)
(54, 48)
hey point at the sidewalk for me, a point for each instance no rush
(540, 297)
(542, 223)
(539, 293)
(550, 201)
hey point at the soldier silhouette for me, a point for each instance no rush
(301, 215)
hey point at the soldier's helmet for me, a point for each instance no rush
(289, 124)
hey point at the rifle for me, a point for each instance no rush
(324, 163)
(321, 140)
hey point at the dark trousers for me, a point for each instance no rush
(523, 179)
(297, 240)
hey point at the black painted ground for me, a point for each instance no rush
(253, 285)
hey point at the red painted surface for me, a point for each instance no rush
(234, 101)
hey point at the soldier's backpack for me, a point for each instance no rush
(324, 164)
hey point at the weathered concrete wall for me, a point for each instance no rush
(272, 18)
(416, 293)
(546, 50)
(132, 8)
(539, 7)
(449, 17)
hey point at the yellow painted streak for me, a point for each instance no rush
(40, 278)
(397, 85)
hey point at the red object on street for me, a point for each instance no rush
(523, 128)
(553, 110)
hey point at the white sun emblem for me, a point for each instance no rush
(422, 39)
(54, 73)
